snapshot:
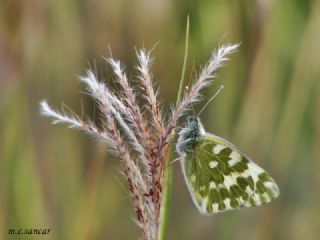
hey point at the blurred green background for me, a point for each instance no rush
(53, 177)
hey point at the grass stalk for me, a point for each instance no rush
(164, 218)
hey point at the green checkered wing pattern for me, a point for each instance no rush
(220, 177)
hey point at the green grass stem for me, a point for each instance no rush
(164, 218)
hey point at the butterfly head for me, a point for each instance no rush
(194, 126)
(190, 134)
(193, 122)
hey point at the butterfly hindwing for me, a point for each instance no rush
(220, 177)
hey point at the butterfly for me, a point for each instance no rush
(218, 175)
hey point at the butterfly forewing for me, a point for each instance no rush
(220, 177)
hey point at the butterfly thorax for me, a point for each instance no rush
(190, 135)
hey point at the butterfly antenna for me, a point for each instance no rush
(216, 94)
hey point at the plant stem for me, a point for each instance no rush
(164, 215)
(186, 48)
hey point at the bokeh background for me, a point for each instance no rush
(54, 177)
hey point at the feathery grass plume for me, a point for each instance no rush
(139, 140)
(147, 85)
(204, 80)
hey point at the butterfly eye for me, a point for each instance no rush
(192, 119)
